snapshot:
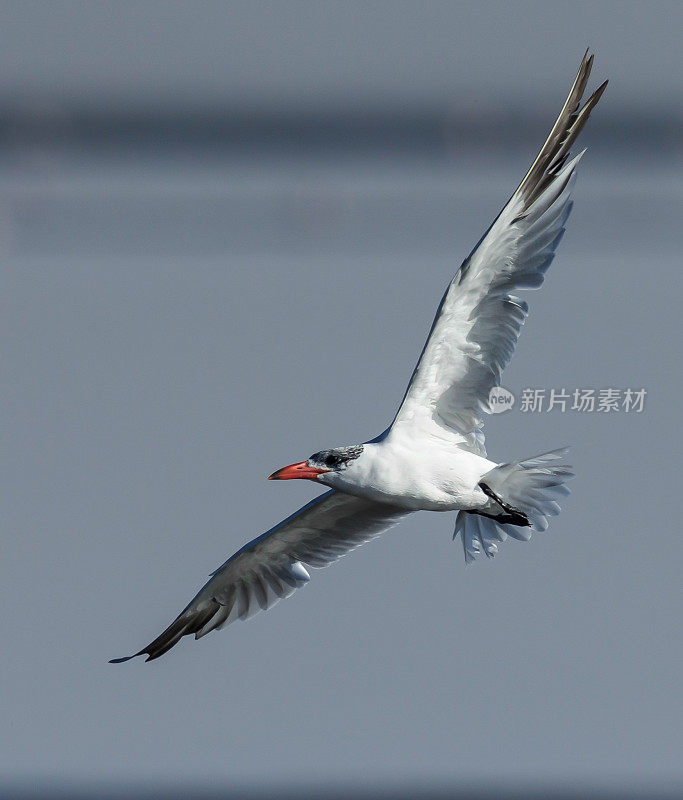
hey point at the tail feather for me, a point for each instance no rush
(528, 489)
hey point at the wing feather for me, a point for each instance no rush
(480, 316)
(273, 565)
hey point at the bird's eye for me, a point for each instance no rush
(331, 461)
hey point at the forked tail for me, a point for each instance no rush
(524, 495)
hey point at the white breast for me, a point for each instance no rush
(427, 475)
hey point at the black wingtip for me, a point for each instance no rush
(125, 658)
(601, 89)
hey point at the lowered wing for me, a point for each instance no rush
(273, 565)
(479, 319)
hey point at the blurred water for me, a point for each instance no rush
(177, 325)
(138, 205)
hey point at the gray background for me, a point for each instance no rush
(224, 232)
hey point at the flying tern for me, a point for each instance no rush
(432, 456)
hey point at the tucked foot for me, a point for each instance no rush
(512, 516)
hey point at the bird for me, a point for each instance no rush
(432, 456)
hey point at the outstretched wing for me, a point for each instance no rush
(479, 319)
(273, 565)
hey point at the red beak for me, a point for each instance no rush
(293, 471)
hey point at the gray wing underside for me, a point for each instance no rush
(274, 565)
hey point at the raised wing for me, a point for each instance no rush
(479, 319)
(273, 565)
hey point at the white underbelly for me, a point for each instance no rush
(434, 483)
